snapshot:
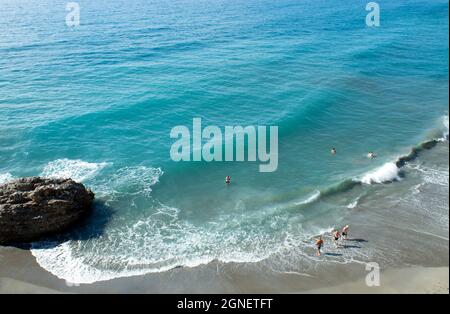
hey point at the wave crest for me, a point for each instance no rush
(389, 172)
(312, 198)
(445, 123)
(75, 169)
(6, 177)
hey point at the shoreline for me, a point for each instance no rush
(30, 278)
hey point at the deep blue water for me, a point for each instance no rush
(97, 103)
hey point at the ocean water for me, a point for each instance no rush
(97, 102)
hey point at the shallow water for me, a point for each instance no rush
(97, 103)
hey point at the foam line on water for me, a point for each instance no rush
(6, 177)
(75, 169)
(59, 260)
(445, 126)
(354, 203)
(128, 181)
(312, 198)
(165, 242)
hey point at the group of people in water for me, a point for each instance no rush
(336, 234)
(336, 237)
(370, 155)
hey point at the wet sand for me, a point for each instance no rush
(421, 280)
(20, 273)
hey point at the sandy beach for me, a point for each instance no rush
(399, 281)
(21, 274)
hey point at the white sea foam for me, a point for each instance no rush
(129, 180)
(432, 176)
(438, 177)
(445, 123)
(61, 262)
(65, 262)
(5, 177)
(312, 198)
(163, 242)
(353, 204)
(77, 170)
(157, 243)
(387, 173)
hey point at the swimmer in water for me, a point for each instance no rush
(345, 232)
(371, 155)
(333, 151)
(319, 244)
(227, 179)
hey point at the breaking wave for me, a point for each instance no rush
(77, 170)
(5, 177)
(387, 173)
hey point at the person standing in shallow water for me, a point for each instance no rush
(227, 179)
(319, 244)
(336, 237)
(345, 232)
(333, 151)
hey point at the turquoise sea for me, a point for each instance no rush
(97, 103)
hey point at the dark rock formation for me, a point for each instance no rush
(33, 207)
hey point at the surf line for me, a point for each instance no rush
(211, 144)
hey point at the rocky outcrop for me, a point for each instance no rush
(33, 207)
